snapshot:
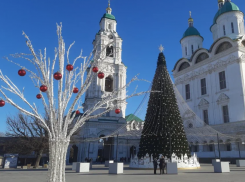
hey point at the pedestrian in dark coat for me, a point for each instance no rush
(162, 165)
(155, 165)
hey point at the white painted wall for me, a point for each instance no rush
(187, 42)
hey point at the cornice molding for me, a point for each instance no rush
(208, 69)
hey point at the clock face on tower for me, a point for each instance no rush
(110, 36)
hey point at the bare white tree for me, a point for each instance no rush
(61, 124)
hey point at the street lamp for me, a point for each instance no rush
(239, 148)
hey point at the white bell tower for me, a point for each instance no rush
(109, 43)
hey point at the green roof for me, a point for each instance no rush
(227, 7)
(132, 117)
(190, 32)
(109, 16)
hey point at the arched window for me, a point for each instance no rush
(224, 46)
(134, 126)
(184, 66)
(109, 84)
(109, 51)
(202, 57)
(232, 27)
(109, 26)
(228, 145)
(224, 29)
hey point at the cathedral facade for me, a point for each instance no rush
(212, 81)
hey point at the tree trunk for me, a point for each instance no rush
(57, 159)
(39, 156)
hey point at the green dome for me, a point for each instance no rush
(227, 7)
(109, 16)
(190, 32)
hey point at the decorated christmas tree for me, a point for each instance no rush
(163, 131)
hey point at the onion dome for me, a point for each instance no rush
(191, 30)
(108, 14)
(227, 7)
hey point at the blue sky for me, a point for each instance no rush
(142, 24)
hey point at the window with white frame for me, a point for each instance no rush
(225, 114)
(203, 86)
(186, 51)
(222, 80)
(224, 29)
(192, 49)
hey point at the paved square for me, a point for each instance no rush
(99, 173)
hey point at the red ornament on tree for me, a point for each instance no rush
(77, 112)
(2, 103)
(22, 72)
(117, 111)
(69, 67)
(95, 69)
(39, 96)
(43, 88)
(75, 90)
(57, 76)
(101, 75)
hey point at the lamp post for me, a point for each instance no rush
(239, 149)
(103, 150)
(218, 146)
(88, 149)
(117, 148)
(110, 152)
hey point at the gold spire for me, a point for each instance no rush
(190, 19)
(108, 9)
(220, 1)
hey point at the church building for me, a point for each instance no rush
(114, 77)
(212, 81)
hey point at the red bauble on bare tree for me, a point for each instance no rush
(2, 103)
(117, 111)
(75, 90)
(43, 88)
(95, 69)
(69, 67)
(39, 96)
(77, 112)
(101, 75)
(22, 72)
(57, 76)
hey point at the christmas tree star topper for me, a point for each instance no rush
(161, 48)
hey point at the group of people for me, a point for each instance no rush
(123, 159)
(162, 165)
(88, 160)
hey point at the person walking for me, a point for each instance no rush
(155, 165)
(162, 165)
